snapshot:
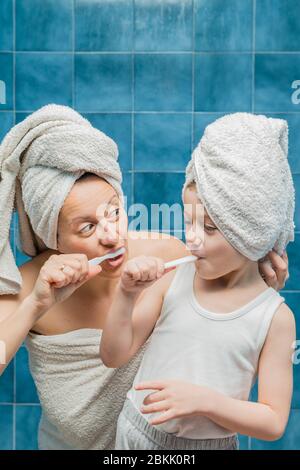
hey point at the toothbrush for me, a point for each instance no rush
(100, 259)
(169, 264)
(177, 262)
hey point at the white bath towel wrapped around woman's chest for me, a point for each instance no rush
(81, 398)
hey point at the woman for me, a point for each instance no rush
(66, 183)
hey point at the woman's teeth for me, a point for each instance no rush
(115, 261)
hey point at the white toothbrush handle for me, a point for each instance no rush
(177, 262)
(95, 261)
(100, 259)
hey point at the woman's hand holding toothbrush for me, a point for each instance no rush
(59, 277)
(62, 274)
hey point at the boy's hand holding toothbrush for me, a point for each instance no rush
(141, 272)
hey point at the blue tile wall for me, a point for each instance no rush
(163, 82)
(25, 387)
(119, 127)
(152, 74)
(6, 33)
(6, 67)
(224, 26)
(163, 26)
(6, 122)
(103, 82)
(275, 94)
(7, 427)
(44, 25)
(162, 141)
(223, 82)
(280, 29)
(42, 78)
(94, 20)
(27, 418)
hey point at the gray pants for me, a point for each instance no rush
(135, 433)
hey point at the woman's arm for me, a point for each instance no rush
(41, 289)
(267, 418)
(17, 321)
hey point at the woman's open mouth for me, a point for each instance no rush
(117, 261)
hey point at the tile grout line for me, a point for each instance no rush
(73, 54)
(14, 60)
(193, 77)
(132, 199)
(253, 103)
(253, 54)
(156, 112)
(14, 431)
(128, 52)
(7, 403)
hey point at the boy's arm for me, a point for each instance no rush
(267, 418)
(131, 320)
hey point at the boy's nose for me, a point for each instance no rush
(194, 236)
(195, 245)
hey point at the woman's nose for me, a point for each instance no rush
(107, 234)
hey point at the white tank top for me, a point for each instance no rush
(217, 350)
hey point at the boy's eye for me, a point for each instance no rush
(115, 213)
(187, 222)
(209, 228)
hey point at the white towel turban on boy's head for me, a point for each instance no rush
(40, 160)
(243, 179)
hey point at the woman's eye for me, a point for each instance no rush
(83, 230)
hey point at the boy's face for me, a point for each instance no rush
(216, 257)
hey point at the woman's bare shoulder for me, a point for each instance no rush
(157, 244)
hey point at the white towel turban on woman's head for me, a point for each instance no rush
(40, 160)
(243, 179)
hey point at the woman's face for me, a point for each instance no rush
(216, 257)
(92, 221)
